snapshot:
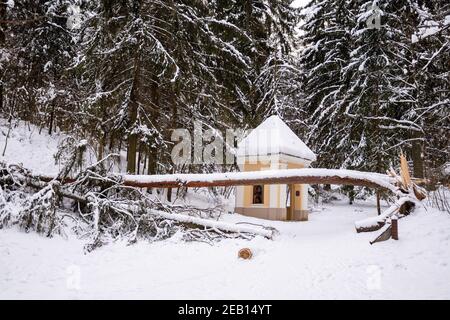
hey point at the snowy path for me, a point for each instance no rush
(323, 258)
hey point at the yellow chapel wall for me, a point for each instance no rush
(248, 190)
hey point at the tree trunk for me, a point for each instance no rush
(282, 176)
(132, 146)
(152, 163)
(52, 120)
(2, 45)
(378, 203)
(132, 118)
(153, 150)
(416, 155)
(101, 146)
(139, 158)
(173, 125)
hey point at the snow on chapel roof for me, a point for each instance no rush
(273, 136)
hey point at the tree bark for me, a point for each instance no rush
(416, 155)
(283, 176)
(132, 145)
(129, 180)
(132, 118)
(173, 126)
(153, 150)
(2, 45)
(51, 121)
(378, 202)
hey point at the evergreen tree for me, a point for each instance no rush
(269, 25)
(327, 43)
(364, 85)
(133, 65)
(38, 48)
(431, 45)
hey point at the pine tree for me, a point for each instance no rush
(143, 74)
(3, 52)
(39, 49)
(199, 62)
(431, 43)
(327, 43)
(269, 26)
(363, 85)
(123, 62)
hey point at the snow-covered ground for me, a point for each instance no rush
(323, 258)
(30, 146)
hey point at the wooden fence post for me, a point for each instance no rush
(394, 230)
(378, 202)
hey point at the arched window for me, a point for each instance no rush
(258, 194)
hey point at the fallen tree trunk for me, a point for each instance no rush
(403, 206)
(131, 209)
(283, 176)
(286, 176)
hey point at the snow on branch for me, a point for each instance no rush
(105, 209)
(284, 176)
(215, 225)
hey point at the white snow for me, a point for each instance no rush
(389, 213)
(217, 225)
(75, 17)
(323, 258)
(379, 179)
(273, 136)
(430, 28)
(30, 147)
(299, 3)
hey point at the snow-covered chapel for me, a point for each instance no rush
(273, 146)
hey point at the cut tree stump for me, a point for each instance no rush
(394, 231)
(245, 253)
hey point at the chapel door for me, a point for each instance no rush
(290, 202)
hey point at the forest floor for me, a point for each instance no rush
(323, 258)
